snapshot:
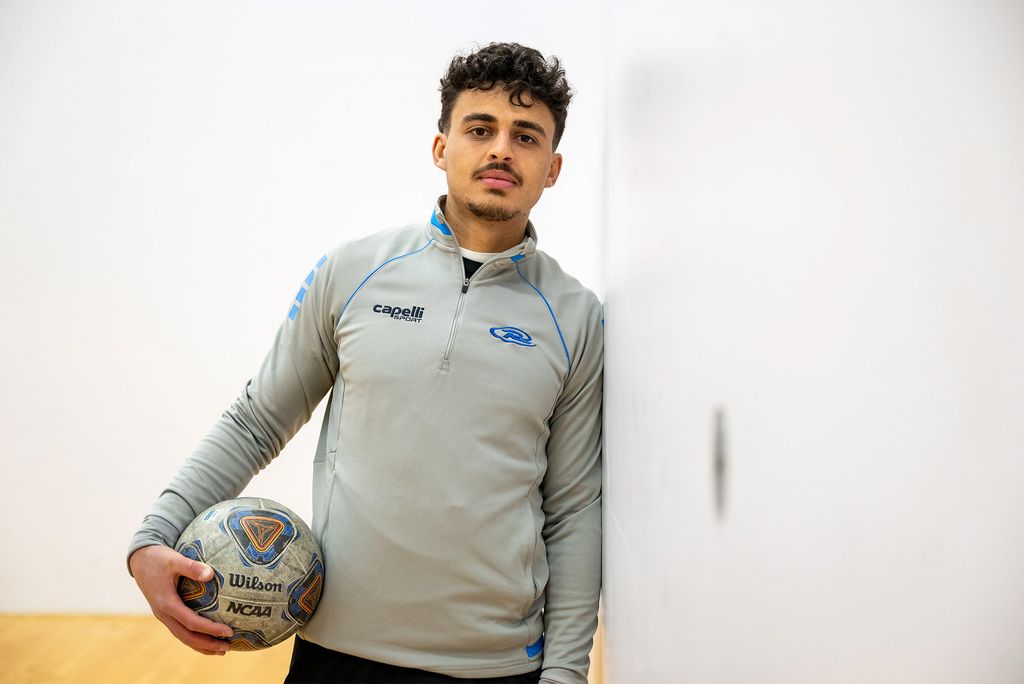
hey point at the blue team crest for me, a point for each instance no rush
(507, 333)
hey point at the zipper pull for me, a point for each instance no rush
(465, 285)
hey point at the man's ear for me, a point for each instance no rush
(440, 143)
(556, 168)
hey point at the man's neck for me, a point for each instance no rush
(478, 235)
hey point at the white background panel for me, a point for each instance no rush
(815, 222)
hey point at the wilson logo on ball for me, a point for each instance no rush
(254, 583)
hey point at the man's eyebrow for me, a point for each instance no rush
(523, 123)
(487, 118)
(519, 123)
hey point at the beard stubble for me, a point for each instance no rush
(492, 212)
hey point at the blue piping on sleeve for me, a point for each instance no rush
(557, 327)
(535, 648)
(301, 295)
(374, 271)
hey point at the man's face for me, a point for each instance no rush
(497, 156)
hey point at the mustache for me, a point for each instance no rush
(498, 166)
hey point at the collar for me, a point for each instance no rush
(444, 238)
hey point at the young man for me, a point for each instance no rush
(457, 479)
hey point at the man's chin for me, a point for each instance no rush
(489, 211)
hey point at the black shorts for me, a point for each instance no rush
(314, 664)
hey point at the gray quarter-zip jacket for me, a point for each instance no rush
(457, 478)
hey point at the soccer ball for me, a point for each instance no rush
(268, 570)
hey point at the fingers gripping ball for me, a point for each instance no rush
(268, 570)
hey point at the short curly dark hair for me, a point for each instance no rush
(514, 67)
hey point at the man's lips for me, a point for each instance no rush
(496, 182)
(497, 179)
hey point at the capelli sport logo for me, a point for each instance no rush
(507, 333)
(414, 314)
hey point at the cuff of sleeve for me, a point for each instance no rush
(560, 676)
(155, 530)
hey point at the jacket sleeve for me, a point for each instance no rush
(572, 509)
(278, 400)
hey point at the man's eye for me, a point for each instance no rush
(478, 131)
(528, 139)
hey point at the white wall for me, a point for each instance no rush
(816, 219)
(169, 172)
(813, 221)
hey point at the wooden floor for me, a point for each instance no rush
(119, 649)
(55, 649)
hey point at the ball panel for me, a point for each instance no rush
(304, 594)
(262, 535)
(249, 640)
(203, 529)
(298, 558)
(201, 597)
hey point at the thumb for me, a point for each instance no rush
(194, 569)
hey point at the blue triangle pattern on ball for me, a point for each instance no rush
(261, 535)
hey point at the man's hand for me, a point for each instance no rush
(156, 570)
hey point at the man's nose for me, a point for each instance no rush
(501, 147)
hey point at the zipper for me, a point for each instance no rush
(458, 309)
(457, 319)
